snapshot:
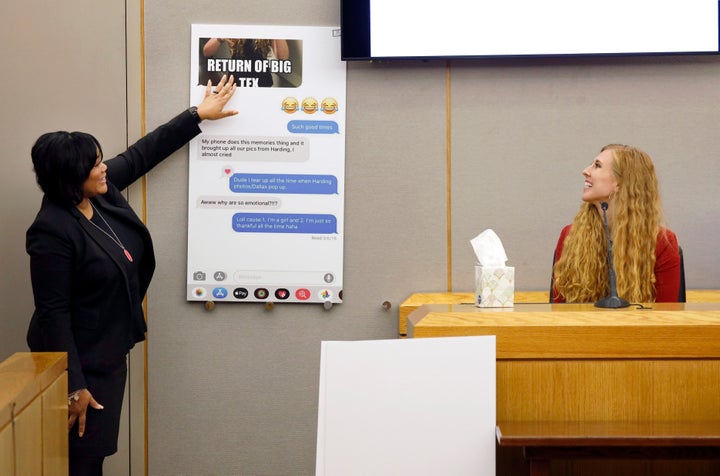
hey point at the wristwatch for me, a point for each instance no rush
(193, 111)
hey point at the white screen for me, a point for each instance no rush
(405, 28)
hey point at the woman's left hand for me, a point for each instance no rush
(213, 105)
(77, 410)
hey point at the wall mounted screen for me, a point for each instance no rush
(386, 29)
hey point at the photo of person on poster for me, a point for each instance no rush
(260, 63)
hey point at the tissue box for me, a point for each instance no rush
(494, 286)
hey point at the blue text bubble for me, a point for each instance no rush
(313, 127)
(284, 183)
(284, 223)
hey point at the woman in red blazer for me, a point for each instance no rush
(646, 256)
(91, 261)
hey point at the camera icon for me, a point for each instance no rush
(199, 276)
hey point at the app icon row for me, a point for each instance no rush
(241, 293)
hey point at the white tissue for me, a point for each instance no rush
(489, 249)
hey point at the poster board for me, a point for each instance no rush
(408, 406)
(266, 187)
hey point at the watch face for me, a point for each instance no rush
(193, 111)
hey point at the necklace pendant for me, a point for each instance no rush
(128, 255)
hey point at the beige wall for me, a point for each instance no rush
(63, 68)
(234, 391)
(66, 66)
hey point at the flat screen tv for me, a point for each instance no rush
(412, 29)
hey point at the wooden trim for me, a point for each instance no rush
(448, 175)
(414, 301)
(580, 331)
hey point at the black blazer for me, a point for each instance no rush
(83, 300)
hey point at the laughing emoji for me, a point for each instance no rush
(290, 105)
(329, 106)
(310, 105)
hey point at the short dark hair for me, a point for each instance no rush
(62, 162)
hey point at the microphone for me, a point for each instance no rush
(612, 301)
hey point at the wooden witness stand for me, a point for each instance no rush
(543, 442)
(590, 391)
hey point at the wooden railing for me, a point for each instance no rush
(33, 414)
(418, 299)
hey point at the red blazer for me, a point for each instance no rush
(667, 265)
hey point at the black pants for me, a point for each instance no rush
(86, 465)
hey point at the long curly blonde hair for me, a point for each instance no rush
(239, 46)
(581, 273)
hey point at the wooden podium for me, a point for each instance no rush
(578, 363)
(33, 414)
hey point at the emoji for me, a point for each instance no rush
(310, 105)
(290, 105)
(329, 106)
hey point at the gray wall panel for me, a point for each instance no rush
(52, 59)
(64, 68)
(524, 130)
(234, 391)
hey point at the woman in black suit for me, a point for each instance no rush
(91, 261)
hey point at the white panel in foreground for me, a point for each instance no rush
(407, 407)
